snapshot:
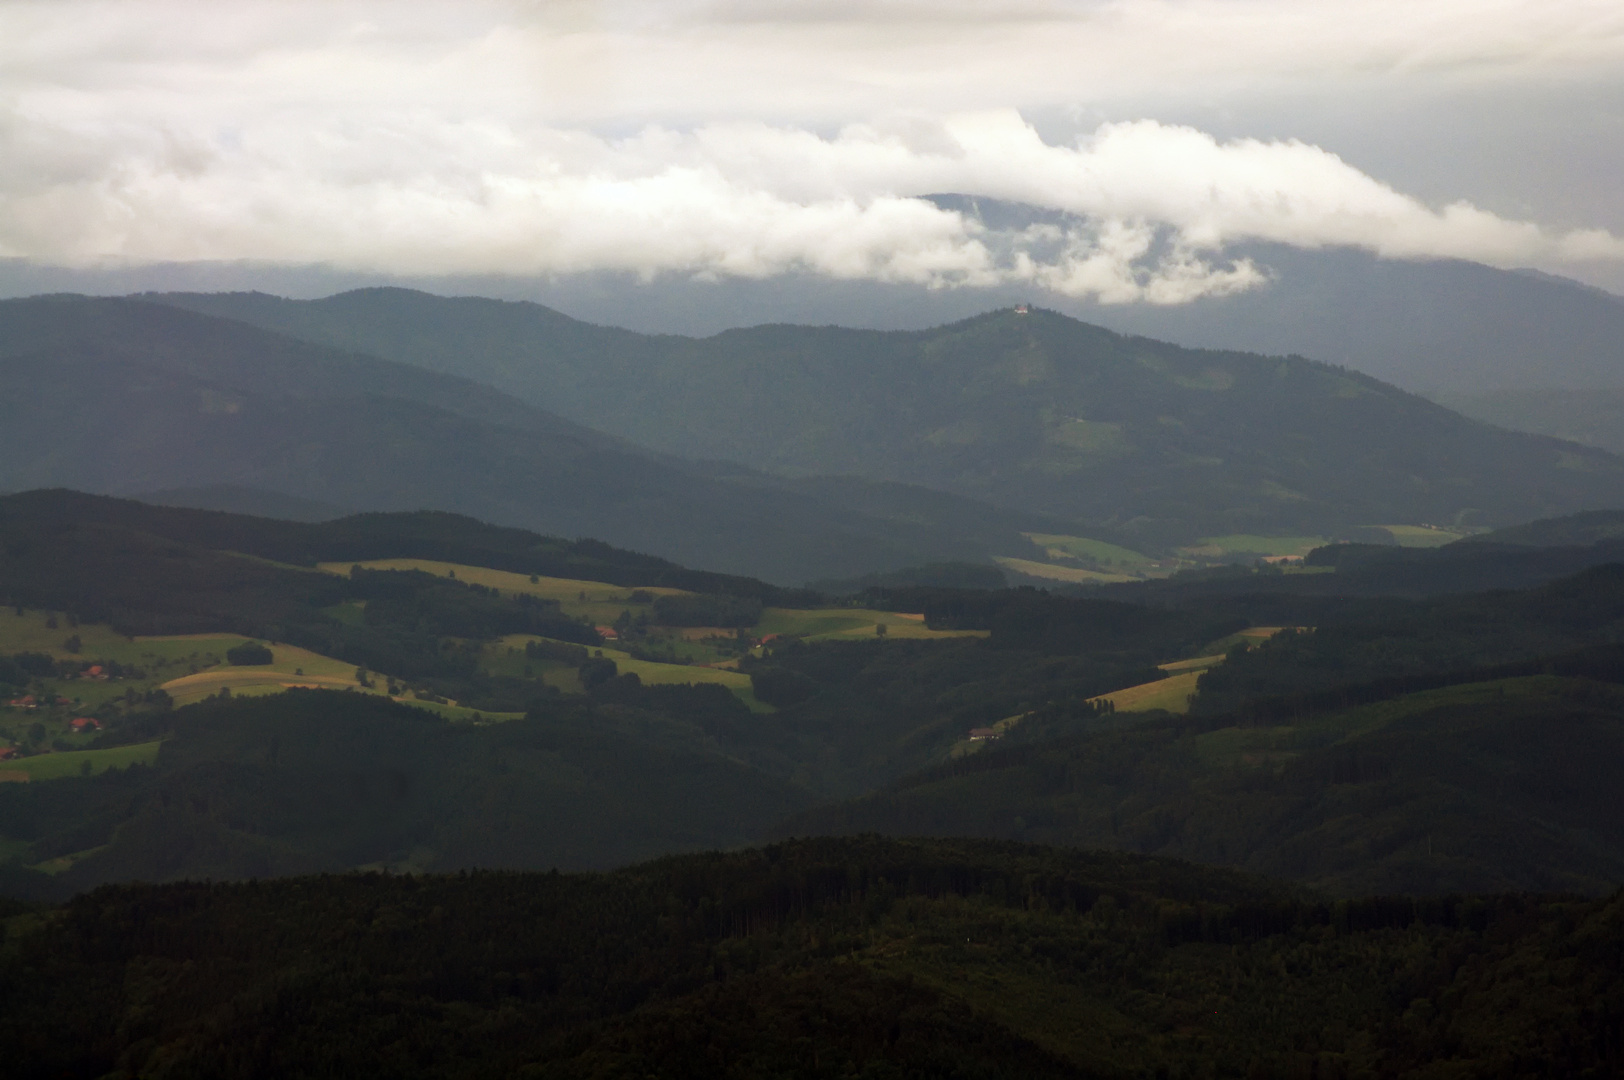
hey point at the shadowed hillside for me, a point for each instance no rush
(1040, 412)
(125, 397)
(862, 958)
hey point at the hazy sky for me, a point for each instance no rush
(755, 138)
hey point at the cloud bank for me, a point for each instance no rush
(563, 138)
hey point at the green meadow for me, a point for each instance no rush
(819, 624)
(1075, 575)
(56, 766)
(506, 657)
(188, 667)
(1105, 556)
(1217, 547)
(601, 604)
(1426, 536)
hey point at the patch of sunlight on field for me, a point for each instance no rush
(655, 674)
(1058, 546)
(1425, 536)
(1252, 635)
(1197, 663)
(70, 763)
(818, 624)
(1216, 547)
(1172, 694)
(291, 666)
(652, 673)
(1053, 572)
(602, 604)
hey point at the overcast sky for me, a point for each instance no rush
(752, 139)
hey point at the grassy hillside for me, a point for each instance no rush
(811, 959)
(1139, 439)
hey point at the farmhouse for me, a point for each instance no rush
(7, 753)
(983, 733)
(25, 702)
(84, 723)
(608, 633)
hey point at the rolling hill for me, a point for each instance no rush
(1141, 440)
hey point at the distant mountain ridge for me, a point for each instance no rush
(125, 397)
(1143, 440)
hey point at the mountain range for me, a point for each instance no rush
(1140, 440)
(128, 397)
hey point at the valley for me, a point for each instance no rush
(878, 719)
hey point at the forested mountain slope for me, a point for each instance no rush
(1472, 742)
(124, 397)
(1039, 411)
(821, 958)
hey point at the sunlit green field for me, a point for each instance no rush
(1057, 572)
(1425, 536)
(1121, 559)
(80, 762)
(188, 667)
(498, 660)
(598, 602)
(1216, 547)
(816, 624)
(1172, 694)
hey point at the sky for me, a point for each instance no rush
(758, 139)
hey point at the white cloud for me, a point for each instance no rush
(728, 138)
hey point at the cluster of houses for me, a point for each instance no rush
(29, 701)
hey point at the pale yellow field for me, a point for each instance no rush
(650, 672)
(602, 603)
(292, 666)
(1199, 663)
(1172, 693)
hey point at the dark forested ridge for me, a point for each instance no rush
(1154, 442)
(30, 516)
(318, 780)
(814, 958)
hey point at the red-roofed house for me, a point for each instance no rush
(7, 753)
(85, 723)
(607, 633)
